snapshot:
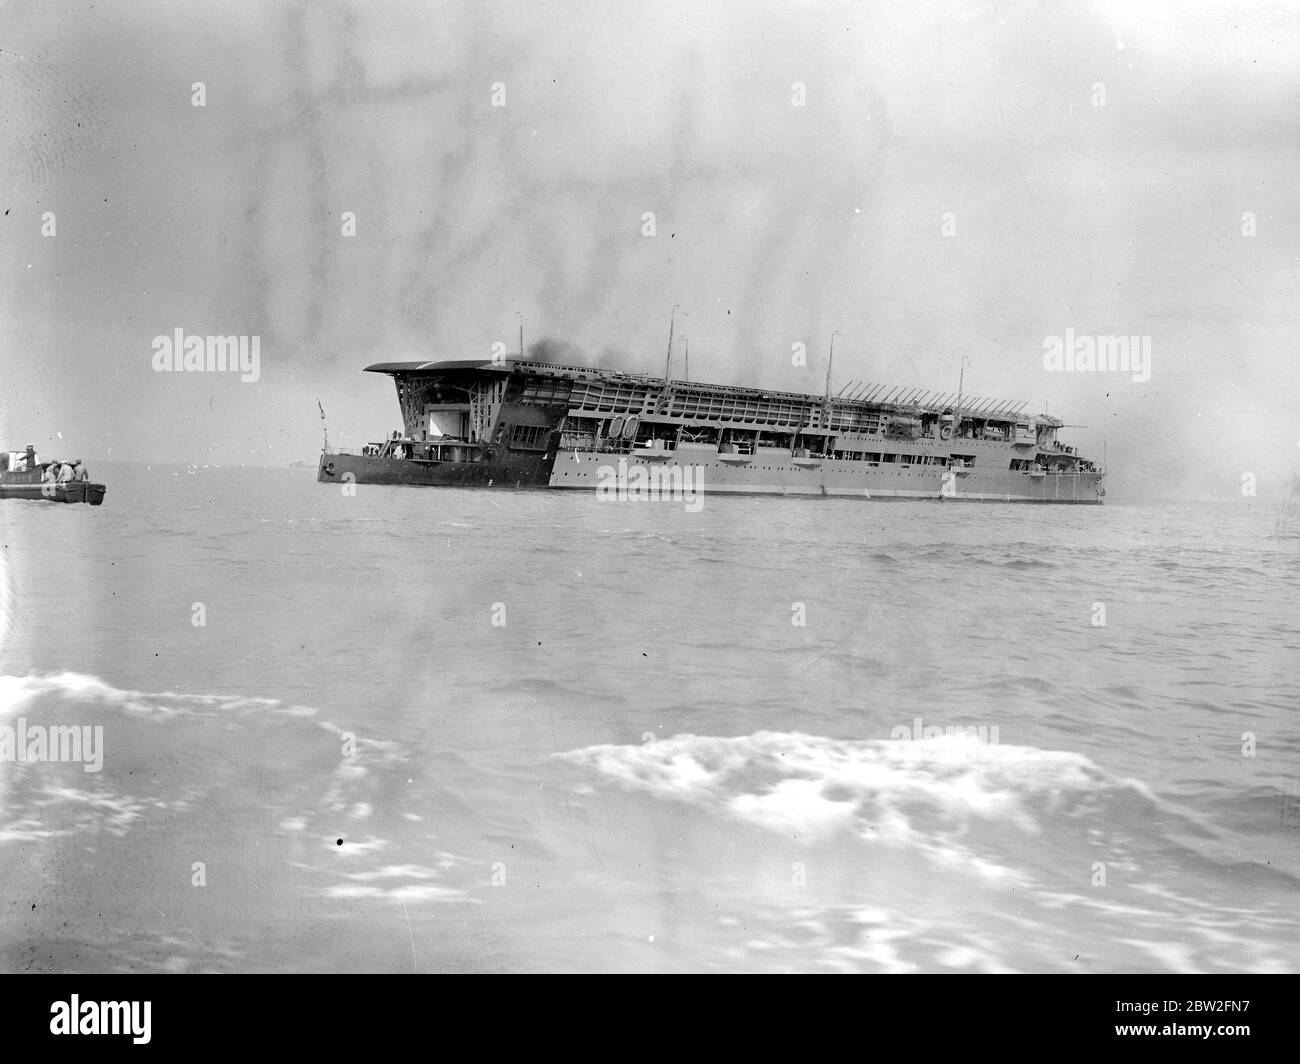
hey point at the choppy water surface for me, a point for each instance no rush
(645, 763)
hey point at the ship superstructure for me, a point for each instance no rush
(522, 423)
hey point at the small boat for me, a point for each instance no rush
(24, 476)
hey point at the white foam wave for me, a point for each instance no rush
(408, 882)
(811, 786)
(18, 693)
(353, 786)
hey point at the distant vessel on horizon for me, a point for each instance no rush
(520, 423)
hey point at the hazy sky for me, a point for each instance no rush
(951, 186)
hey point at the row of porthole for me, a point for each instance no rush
(871, 465)
(649, 411)
(650, 406)
(718, 465)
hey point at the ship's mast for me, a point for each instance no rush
(686, 353)
(961, 384)
(520, 313)
(668, 362)
(826, 405)
(830, 361)
(323, 427)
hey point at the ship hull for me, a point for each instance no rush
(74, 491)
(518, 472)
(709, 474)
(673, 476)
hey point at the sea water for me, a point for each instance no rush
(415, 729)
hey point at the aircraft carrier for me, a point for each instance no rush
(517, 423)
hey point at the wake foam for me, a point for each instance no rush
(880, 790)
(18, 693)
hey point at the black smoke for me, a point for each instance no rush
(549, 349)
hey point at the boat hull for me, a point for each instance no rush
(73, 491)
(670, 475)
(634, 476)
(513, 472)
